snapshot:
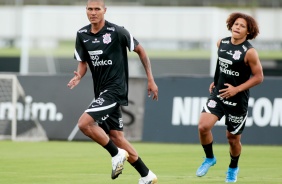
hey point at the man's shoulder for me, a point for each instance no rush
(248, 44)
(113, 27)
(226, 39)
(110, 24)
(84, 29)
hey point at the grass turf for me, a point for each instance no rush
(86, 162)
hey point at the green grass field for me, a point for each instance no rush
(86, 162)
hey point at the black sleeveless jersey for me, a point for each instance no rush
(106, 55)
(232, 69)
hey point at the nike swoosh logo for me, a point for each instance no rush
(85, 40)
(222, 50)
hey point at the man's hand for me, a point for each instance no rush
(228, 92)
(153, 88)
(211, 87)
(75, 80)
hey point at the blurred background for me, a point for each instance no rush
(37, 36)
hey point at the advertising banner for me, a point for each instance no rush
(174, 118)
(58, 108)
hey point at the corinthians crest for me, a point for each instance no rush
(107, 38)
(237, 55)
(212, 104)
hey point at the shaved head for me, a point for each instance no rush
(99, 1)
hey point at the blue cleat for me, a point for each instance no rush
(231, 175)
(203, 169)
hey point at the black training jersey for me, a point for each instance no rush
(106, 55)
(231, 68)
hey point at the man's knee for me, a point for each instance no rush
(233, 140)
(116, 138)
(203, 128)
(84, 122)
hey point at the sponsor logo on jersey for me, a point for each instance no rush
(235, 119)
(97, 62)
(107, 38)
(223, 66)
(95, 52)
(83, 31)
(94, 57)
(99, 101)
(229, 72)
(120, 122)
(229, 103)
(226, 41)
(245, 48)
(227, 61)
(226, 102)
(111, 28)
(96, 41)
(84, 41)
(237, 55)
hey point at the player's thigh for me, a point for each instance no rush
(85, 119)
(207, 121)
(211, 113)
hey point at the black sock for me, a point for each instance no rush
(208, 150)
(111, 148)
(234, 161)
(140, 167)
